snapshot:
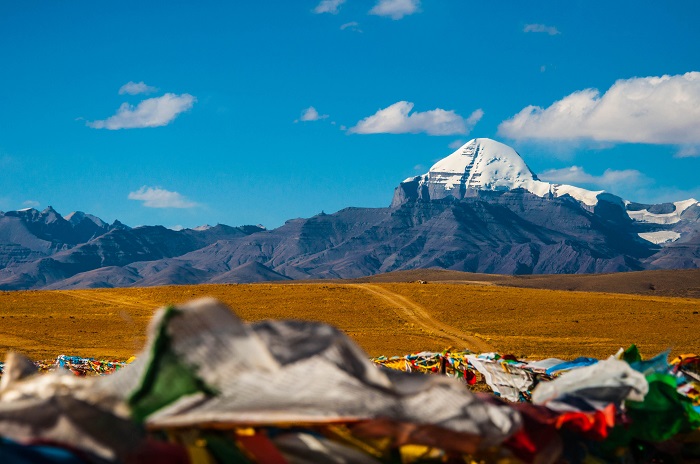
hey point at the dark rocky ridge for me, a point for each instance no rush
(512, 232)
(41, 249)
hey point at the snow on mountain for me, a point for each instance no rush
(485, 164)
(671, 217)
(78, 216)
(482, 164)
(660, 237)
(50, 215)
(588, 197)
(681, 206)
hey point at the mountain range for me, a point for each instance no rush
(480, 209)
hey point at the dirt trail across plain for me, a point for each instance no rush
(420, 316)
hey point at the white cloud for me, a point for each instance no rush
(31, 204)
(656, 110)
(688, 152)
(135, 88)
(475, 117)
(609, 180)
(351, 26)
(156, 197)
(551, 30)
(328, 6)
(395, 9)
(456, 144)
(395, 119)
(152, 112)
(627, 183)
(311, 114)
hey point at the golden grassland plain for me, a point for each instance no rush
(384, 318)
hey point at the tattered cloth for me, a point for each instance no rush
(77, 365)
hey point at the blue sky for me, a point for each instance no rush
(186, 113)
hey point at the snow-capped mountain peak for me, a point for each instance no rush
(485, 164)
(482, 164)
